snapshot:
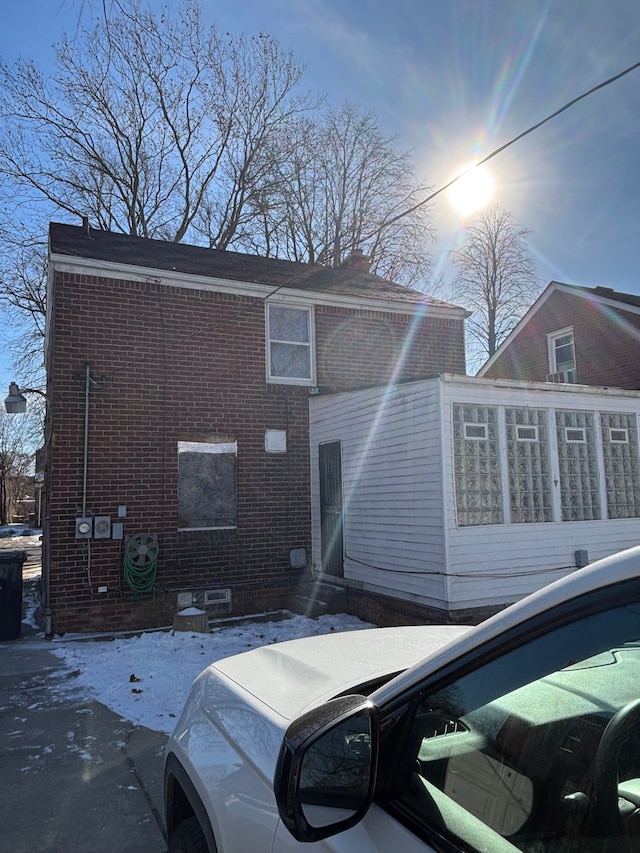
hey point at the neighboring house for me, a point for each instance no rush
(178, 385)
(589, 336)
(448, 498)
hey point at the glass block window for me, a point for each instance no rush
(620, 451)
(528, 465)
(477, 465)
(578, 463)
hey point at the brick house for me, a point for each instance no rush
(589, 336)
(178, 384)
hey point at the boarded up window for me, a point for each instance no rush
(207, 485)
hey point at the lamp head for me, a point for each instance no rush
(15, 403)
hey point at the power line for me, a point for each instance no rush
(502, 148)
(493, 154)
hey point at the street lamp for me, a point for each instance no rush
(16, 402)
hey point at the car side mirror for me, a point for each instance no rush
(326, 770)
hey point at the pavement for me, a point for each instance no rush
(74, 776)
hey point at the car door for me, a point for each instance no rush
(528, 743)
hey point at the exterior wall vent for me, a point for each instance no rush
(217, 596)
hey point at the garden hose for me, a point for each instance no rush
(141, 562)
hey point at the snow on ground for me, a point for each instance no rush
(147, 678)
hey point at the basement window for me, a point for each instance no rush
(207, 498)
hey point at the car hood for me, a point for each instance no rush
(252, 697)
(292, 676)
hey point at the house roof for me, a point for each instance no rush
(346, 280)
(605, 295)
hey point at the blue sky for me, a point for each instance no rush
(456, 79)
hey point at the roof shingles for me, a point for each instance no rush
(74, 241)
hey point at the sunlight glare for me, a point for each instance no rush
(472, 191)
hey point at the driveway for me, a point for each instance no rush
(76, 777)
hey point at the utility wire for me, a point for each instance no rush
(493, 154)
(502, 148)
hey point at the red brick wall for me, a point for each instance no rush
(607, 343)
(173, 364)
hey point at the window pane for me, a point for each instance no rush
(477, 465)
(511, 748)
(291, 360)
(620, 450)
(578, 462)
(565, 358)
(289, 324)
(528, 465)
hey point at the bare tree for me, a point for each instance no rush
(339, 181)
(153, 126)
(23, 278)
(16, 462)
(146, 121)
(495, 278)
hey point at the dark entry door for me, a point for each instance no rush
(331, 519)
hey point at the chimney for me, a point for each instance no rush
(85, 226)
(358, 261)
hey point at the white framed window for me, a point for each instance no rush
(207, 498)
(290, 345)
(619, 436)
(562, 356)
(574, 435)
(475, 431)
(526, 433)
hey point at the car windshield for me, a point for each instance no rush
(539, 745)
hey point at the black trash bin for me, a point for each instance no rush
(11, 563)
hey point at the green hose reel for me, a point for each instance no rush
(141, 562)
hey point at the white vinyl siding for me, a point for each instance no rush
(402, 535)
(392, 487)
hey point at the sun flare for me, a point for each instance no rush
(472, 191)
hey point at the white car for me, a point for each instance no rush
(521, 734)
